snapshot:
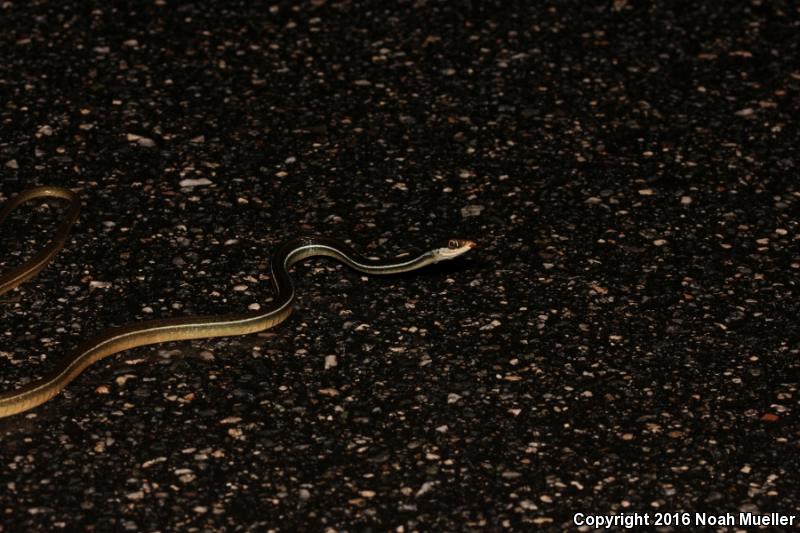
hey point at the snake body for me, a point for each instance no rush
(118, 339)
(39, 260)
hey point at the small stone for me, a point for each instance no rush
(330, 361)
(453, 397)
(12, 164)
(425, 488)
(121, 380)
(141, 141)
(528, 505)
(189, 182)
(185, 475)
(471, 211)
(151, 462)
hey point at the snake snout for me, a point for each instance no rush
(455, 244)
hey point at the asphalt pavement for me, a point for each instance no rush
(623, 341)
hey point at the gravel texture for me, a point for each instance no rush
(625, 338)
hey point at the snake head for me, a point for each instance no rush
(455, 247)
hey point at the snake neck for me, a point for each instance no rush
(302, 248)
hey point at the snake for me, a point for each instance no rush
(142, 333)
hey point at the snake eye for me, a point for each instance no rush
(453, 244)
